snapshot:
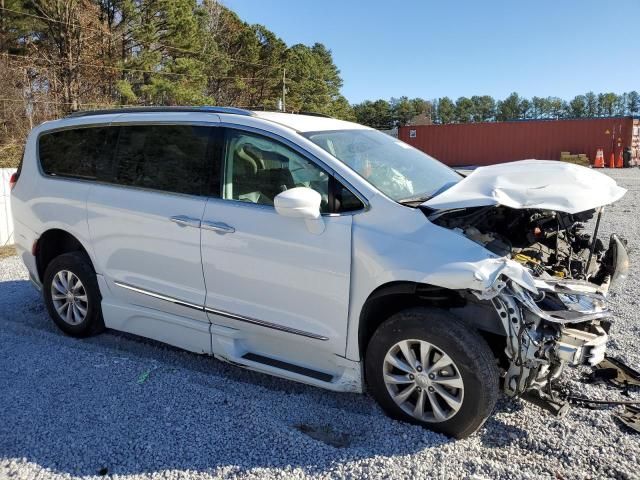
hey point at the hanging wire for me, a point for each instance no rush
(124, 69)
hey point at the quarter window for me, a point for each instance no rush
(258, 168)
(344, 199)
(79, 153)
(171, 158)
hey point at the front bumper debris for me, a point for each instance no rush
(571, 330)
(580, 347)
(612, 372)
(565, 324)
(630, 417)
(615, 373)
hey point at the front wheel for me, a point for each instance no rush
(425, 366)
(72, 296)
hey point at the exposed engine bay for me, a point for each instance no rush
(566, 320)
(548, 243)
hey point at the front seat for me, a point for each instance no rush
(245, 169)
(276, 177)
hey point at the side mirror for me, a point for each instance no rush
(301, 202)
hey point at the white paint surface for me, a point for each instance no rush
(6, 219)
(309, 123)
(544, 184)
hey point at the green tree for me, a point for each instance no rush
(340, 108)
(421, 106)
(607, 104)
(264, 83)
(578, 106)
(464, 110)
(633, 103)
(315, 82)
(620, 105)
(446, 110)
(231, 49)
(484, 108)
(509, 108)
(539, 107)
(525, 109)
(93, 53)
(377, 114)
(403, 110)
(557, 108)
(164, 37)
(591, 105)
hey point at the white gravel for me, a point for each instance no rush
(82, 408)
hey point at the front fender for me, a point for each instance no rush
(406, 246)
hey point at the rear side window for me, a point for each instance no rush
(79, 153)
(172, 158)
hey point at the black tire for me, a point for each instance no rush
(80, 265)
(468, 350)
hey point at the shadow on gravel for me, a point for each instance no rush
(498, 434)
(119, 404)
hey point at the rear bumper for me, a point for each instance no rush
(25, 239)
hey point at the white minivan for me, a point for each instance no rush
(321, 251)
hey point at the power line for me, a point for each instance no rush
(14, 100)
(126, 69)
(184, 50)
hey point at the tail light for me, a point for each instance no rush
(13, 180)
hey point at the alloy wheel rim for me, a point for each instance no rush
(69, 297)
(423, 381)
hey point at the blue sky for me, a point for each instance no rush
(427, 48)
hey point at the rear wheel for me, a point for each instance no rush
(425, 366)
(71, 294)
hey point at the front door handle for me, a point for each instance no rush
(185, 221)
(217, 227)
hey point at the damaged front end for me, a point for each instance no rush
(540, 345)
(552, 300)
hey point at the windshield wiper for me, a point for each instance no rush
(417, 200)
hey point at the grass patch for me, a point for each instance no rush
(7, 251)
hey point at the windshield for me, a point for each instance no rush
(400, 171)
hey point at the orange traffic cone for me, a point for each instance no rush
(599, 161)
(612, 160)
(619, 161)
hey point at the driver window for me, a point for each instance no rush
(258, 168)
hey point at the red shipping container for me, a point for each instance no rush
(468, 144)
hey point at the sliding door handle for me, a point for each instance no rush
(185, 221)
(217, 227)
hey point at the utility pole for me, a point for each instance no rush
(284, 89)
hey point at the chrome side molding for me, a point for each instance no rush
(262, 323)
(222, 313)
(159, 296)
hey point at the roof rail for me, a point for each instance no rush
(315, 114)
(311, 114)
(207, 109)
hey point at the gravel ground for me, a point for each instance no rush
(125, 407)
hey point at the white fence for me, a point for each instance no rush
(6, 220)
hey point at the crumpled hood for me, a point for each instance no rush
(541, 184)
